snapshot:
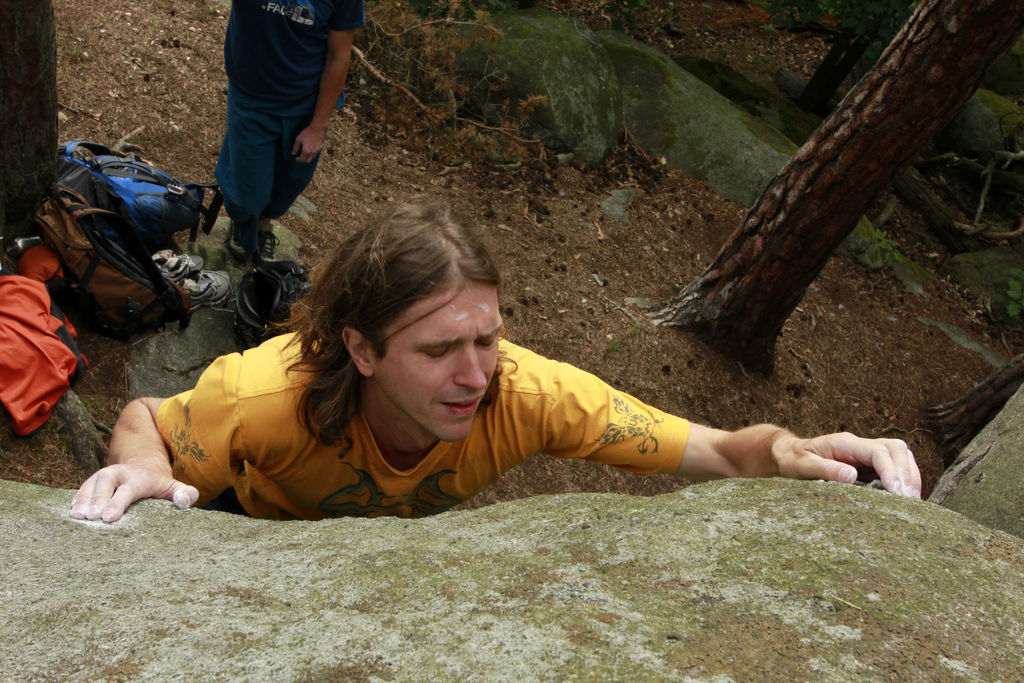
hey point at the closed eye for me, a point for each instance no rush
(435, 351)
(440, 349)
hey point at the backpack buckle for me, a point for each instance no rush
(176, 189)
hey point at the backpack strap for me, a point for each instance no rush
(95, 149)
(67, 333)
(209, 213)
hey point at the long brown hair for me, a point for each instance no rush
(372, 277)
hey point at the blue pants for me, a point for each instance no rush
(256, 170)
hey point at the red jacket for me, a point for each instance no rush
(36, 365)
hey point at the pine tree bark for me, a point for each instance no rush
(28, 108)
(933, 65)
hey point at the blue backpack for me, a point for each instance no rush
(155, 203)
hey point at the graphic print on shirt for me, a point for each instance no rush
(631, 424)
(299, 11)
(182, 446)
(364, 497)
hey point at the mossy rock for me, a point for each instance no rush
(1006, 76)
(989, 275)
(781, 112)
(671, 113)
(541, 53)
(730, 580)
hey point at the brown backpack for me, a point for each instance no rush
(119, 287)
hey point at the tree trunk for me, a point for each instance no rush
(915, 191)
(844, 54)
(957, 422)
(28, 109)
(929, 70)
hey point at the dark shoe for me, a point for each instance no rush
(268, 244)
(234, 246)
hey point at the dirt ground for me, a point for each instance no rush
(854, 356)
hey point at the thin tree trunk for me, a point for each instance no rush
(932, 66)
(844, 54)
(28, 108)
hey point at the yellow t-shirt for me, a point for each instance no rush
(239, 427)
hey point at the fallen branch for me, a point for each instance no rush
(996, 236)
(498, 129)
(122, 146)
(1007, 158)
(79, 111)
(987, 175)
(970, 230)
(619, 307)
(991, 235)
(375, 72)
(1006, 179)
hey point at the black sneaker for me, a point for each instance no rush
(234, 246)
(268, 243)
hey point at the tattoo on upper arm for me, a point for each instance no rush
(183, 445)
(631, 424)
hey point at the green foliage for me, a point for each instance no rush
(1015, 293)
(880, 249)
(876, 20)
(887, 247)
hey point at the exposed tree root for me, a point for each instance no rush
(87, 447)
(957, 422)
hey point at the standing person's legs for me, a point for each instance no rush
(245, 171)
(291, 177)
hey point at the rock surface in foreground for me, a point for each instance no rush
(754, 580)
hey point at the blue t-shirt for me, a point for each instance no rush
(275, 51)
